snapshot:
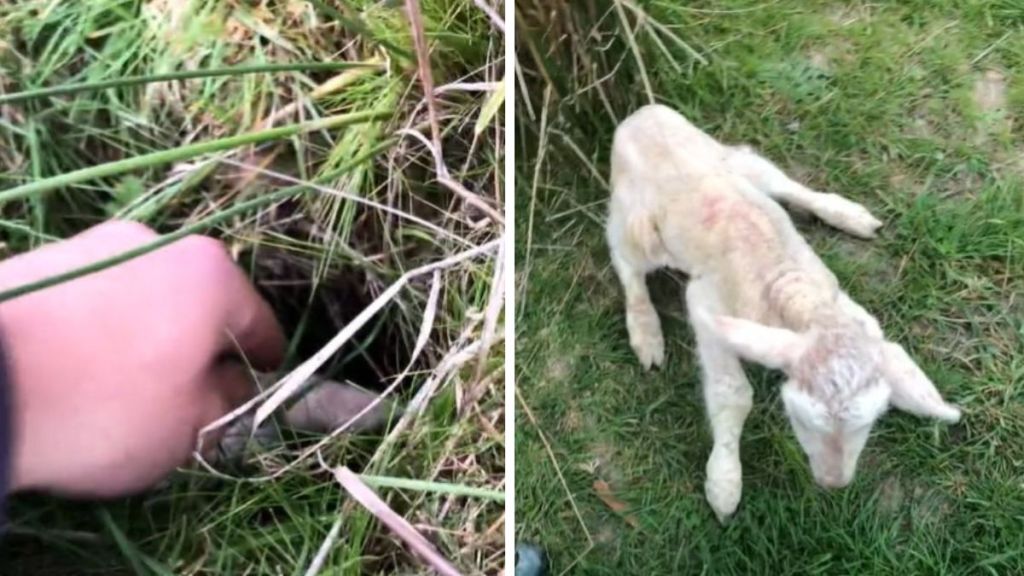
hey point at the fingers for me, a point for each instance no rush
(233, 382)
(252, 326)
(251, 329)
(227, 385)
(97, 243)
(119, 232)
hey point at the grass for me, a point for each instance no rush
(908, 107)
(290, 130)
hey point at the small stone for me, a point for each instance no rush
(530, 561)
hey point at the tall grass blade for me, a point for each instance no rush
(181, 75)
(184, 153)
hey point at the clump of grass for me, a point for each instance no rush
(906, 107)
(201, 116)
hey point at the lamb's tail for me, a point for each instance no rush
(634, 228)
(642, 231)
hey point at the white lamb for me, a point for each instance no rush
(757, 291)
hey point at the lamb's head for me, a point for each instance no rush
(840, 381)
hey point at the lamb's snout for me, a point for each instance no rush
(832, 477)
(833, 481)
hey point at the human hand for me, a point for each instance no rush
(113, 374)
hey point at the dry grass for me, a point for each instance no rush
(385, 272)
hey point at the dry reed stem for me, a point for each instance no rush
(459, 354)
(352, 197)
(435, 147)
(493, 311)
(631, 40)
(419, 39)
(325, 548)
(444, 179)
(400, 526)
(496, 18)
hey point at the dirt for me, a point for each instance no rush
(558, 369)
(603, 465)
(573, 420)
(605, 535)
(813, 178)
(820, 60)
(962, 184)
(952, 343)
(989, 96)
(891, 496)
(990, 91)
(923, 122)
(903, 181)
(883, 269)
(1008, 164)
(846, 15)
(930, 507)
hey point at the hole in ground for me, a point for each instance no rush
(311, 314)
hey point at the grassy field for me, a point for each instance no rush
(911, 108)
(324, 216)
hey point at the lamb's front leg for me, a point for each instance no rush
(728, 397)
(835, 210)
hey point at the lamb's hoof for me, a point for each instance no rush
(723, 502)
(650, 350)
(849, 216)
(645, 335)
(724, 485)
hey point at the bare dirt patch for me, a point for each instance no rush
(820, 60)
(1008, 163)
(904, 181)
(891, 496)
(573, 420)
(951, 342)
(990, 91)
(605, 535)
(846, 15)
(603, 465)
(962, 184)
(923, 122)
(930, 507)
(873, 261)
(558, 369)
(989, 97)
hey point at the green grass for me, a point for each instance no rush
(879, 102)
(143, 109)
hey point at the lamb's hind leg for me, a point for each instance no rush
(642, 322)
(727, 396)
(837, 211)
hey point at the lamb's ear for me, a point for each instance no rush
(771, 347)
(912, 391)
